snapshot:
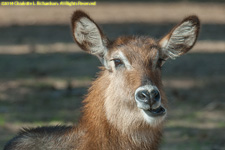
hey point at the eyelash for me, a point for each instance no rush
(117, 62)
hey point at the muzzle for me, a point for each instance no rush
(149, 100)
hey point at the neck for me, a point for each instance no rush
(101, 134)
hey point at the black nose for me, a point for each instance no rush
(148, 97)
(155, 95)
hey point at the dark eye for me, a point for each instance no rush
(117, 62)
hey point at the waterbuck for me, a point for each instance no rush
(126, 106)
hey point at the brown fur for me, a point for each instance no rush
(110, 118)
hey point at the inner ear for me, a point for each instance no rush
(181, 38)
(88, 35)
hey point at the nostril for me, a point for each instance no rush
(143, 95)
(155, 95)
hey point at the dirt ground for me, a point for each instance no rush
(44, 75)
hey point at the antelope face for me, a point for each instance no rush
(133, 67)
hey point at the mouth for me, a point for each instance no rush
(160, 111)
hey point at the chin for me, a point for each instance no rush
(152, 119)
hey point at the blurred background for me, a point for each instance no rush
(44, 75)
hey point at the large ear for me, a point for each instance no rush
(181, 38)
(88, 35)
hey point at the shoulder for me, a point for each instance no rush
(30, 137)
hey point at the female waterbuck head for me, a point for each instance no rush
(126, 105)
(132, 95)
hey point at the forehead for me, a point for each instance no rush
(135, 47)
